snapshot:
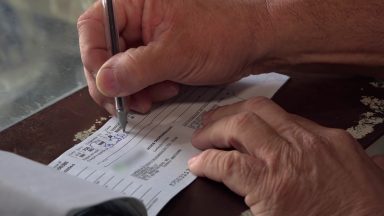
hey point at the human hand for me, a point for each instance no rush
(284, 164)
(200, 42)
(167, 42)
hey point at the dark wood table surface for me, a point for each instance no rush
(327, 94)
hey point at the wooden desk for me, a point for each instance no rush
(329, 95)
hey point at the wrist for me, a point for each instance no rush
(262, 41)
(324, 32)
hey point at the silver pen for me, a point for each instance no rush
(112, 38)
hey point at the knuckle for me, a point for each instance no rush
(289, 128)
(87, 51)
(240, 121)
(309, 139)
(341, 137)
(297, 136)
(88, 14)
(305, 140)
(241, 167)
(82, 25)
(231, 164)
(236, 125)
(226, 164)
(290, 125)
(81, 21)
(206, 156)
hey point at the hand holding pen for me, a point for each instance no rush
(215, 42)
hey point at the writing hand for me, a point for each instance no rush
(205, 42)
(169, 42)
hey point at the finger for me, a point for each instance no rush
(142, 101)
(105, 102)
(379, 160)
(130, 23)
(136, 69)
(275, 116)
(263, 107)
(236, 170)
(163, 91)
(93, 49)
(244, 131)
(93, 46)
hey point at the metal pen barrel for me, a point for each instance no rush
(112, 38)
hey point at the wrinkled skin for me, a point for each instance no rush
(281, 163)
(284, 164)
(184, 42)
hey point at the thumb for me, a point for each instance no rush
(133, 70)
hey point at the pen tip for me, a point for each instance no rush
(122, 116)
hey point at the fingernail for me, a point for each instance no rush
(192, 161)
(107, 83)
(172, 90)
(142, 107)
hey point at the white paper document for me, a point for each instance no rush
(149, 161)
(28, 188)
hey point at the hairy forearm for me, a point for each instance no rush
(327, 31)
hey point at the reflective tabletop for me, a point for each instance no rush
(39, 56)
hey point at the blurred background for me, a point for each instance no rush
(39, 55)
